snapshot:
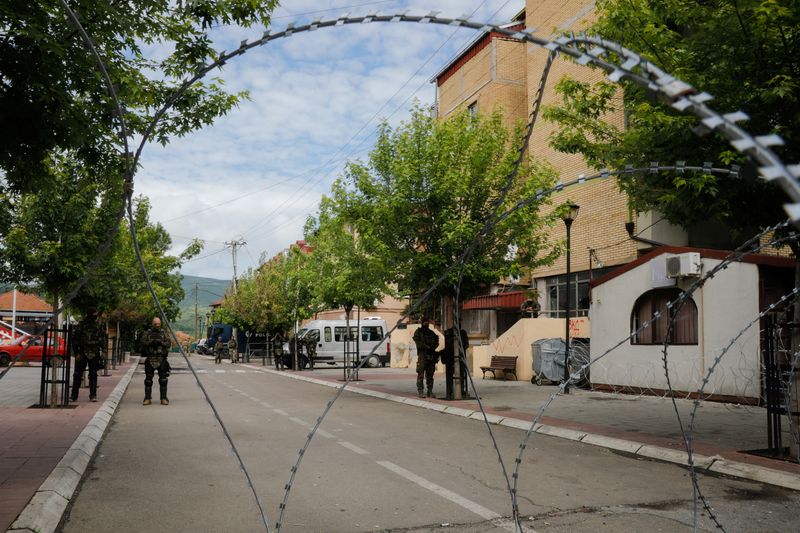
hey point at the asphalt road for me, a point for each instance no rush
(375, 466)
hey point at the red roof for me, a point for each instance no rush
(757, 259)
(25, 302)
(304, 247)
(506, 300)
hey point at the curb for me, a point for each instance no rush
(44, 512)
(713, 464)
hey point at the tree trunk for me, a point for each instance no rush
(794, 378)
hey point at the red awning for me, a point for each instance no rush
(506, 300)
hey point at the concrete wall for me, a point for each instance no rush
(404, 351)
(724, 307)
(518, 340)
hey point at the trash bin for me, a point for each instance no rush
(547, 361)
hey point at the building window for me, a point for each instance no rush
(684, 330)
(472, 109)
(556, 295)
(328, 335)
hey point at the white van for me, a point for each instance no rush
(330, 337)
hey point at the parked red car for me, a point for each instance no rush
(9, 351)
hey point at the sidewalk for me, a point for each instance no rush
(43, 452)
(640, 425)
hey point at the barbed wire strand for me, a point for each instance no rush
(677, 91)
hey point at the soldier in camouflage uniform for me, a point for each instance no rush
(155, 346)
(277, 351)
(218, 351)
(310, 341)
(87, 341)
(232, 351)
(427, 341)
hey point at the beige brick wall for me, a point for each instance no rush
(506, 74)
(603, 208)
(494, 78)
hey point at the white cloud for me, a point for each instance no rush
(269, 161)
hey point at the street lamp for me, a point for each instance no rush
(568, 217)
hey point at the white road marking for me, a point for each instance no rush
(325, 434)
(265, 404)
(280, 412)
(241, 371)
(353, 448)
(469, 505)
(299, 421)
(219, 371)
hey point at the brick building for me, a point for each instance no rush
(495, 71)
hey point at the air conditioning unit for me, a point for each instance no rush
(683, 265)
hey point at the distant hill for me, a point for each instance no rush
(208, 290)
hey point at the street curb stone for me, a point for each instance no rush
(701, 462)
(756, 473)
(563, 433)
(612, 443)
(44, 512)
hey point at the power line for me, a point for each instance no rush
(374, 115)
(198, 258)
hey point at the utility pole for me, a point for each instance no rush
(234, 244)
(196, 320)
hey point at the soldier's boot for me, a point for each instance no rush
(148, 391)
(420, 393)
(430, 394)
(92, 387)
(162, 390)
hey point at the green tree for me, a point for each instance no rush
(117, 287)
(273, 296)
(344, 273)
(50, 235)
(61, 163)
(52, 92)
(744, 52)
(426, 192)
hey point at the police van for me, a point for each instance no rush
(330, 335)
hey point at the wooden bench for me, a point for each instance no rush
(506, 363)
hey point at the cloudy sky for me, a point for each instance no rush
(316, 100)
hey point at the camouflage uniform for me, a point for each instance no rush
(218, 352)
(310, 344)
(87, 343)
(426, 341)
(154, 347)
(232, 351)
(277, 351)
